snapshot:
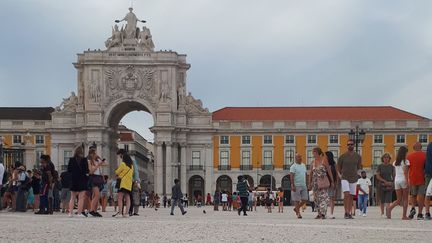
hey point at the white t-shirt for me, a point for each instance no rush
(364, 185)
(1, 173)
(224, 197)
(399, 170)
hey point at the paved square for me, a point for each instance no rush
(195, 226)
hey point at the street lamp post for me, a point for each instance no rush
(1, 149)
(358, 136)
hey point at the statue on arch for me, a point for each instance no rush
(145, 39)
(116, 38)
(68, 104)
(131, 26)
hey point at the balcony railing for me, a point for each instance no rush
(267, 167)
(245, 167)
(224, 167)
(196, 167)
(287, 167)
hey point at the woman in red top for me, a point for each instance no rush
(208, 199)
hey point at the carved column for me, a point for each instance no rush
(158, 175)
(168, 163)
(183, 179)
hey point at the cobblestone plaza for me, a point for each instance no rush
(220, 226)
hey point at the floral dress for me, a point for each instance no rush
(321, 196)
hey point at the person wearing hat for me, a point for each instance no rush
(364, 187)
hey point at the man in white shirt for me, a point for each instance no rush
(364, 187)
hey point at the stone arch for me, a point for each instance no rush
(116, 111)
(267, 181)
(224, 183)
(196, 187)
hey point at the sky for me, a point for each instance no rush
(242, 53)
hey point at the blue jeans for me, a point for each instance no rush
(362, 202)
(174, 203)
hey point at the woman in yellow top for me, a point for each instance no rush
(124, 172)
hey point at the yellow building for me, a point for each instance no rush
(261, 143)
(24, 134)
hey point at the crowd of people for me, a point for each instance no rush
(82, 190)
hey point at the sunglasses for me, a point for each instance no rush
(350, 144)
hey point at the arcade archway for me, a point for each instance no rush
(224, 183)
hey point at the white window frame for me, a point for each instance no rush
(307, 139)
(243, 158)
(266, 159)
(242, 140)
(287, 158)
(221, 158)
(293, 136)
(17, 136)
(330, 140)
(382, 138)
(228, 140)
(67, 154)
(196, 160)
(396, 138)
(309, 156)
(423, 134)
(264, 139)
(377, 160)
(36, 139)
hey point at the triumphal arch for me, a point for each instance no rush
(129, 75)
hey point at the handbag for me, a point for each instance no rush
(96, 180)
(323, 182)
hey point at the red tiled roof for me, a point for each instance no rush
(324, 113)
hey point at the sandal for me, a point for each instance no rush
(115, 215)
(318, 217)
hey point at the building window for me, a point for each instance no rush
(246, 139)
(289, 139)
(268, 157)
(224, 140)
(289, 156)
(311, 139)
(310, 157)
(67, 154)
(40, 139)
(268, 139)
(400, 138)
(196, 157)
(17, 139)
(335, 153)
(38, 155)
(224, 158)
(334, 139)
(245, 160)
(126, 147)
(423, 138)
(378, 138)
(377, 156)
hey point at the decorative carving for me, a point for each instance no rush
(130, 82)
(164, 96)
(69, 104)
(95, 91)
(194, 106)
(181, 92)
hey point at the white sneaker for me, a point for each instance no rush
(364, 215)
(70, 215)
